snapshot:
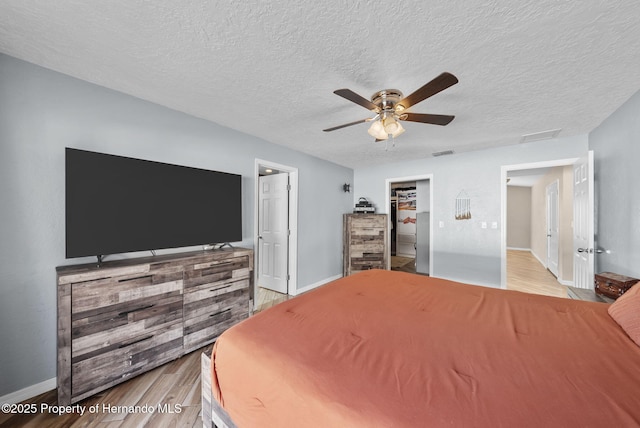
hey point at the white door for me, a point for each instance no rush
(553, 230)
(583, 268)
(273, 232)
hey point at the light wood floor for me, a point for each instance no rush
(403, 264)
(267, 298)
(176, 384)
(525, 273)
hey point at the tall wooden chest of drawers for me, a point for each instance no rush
(126, 317)
(364, 242)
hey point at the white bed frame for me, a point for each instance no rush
(213, 416)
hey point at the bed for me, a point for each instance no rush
(383, 349)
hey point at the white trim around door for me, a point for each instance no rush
(504, 170)
(432, 209)
(292, 283)
(552, 192)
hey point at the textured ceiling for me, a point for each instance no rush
(269, 68)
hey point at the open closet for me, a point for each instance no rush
(410, 226)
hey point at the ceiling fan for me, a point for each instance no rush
(390, 107)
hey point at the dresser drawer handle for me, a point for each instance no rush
(124, 345)
(135, 310)
(218, 313)
(136, 278)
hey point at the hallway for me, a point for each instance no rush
(525, 273)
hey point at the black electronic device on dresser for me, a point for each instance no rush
(117, 204)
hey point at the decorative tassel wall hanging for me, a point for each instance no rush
(463, 206)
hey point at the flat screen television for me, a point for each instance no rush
(117, 204)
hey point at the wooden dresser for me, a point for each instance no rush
(126, 317)
(364, 242)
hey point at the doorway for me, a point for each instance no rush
(403, 226)
(550, 243)
(409, 202)
(275, 241)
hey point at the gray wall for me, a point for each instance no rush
(41, 113)
(616, 148)
(519, 217)
(463, 251)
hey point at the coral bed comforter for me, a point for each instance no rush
(391, 349)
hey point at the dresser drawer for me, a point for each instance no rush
(94, 332)
(366, 263)
(216, 271)
(212, 308)
(368, 221)
(119, 361)
(121, 290)
(367, 234)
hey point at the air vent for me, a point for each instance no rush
(444, 153)
(537, 136)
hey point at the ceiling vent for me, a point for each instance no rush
(544, 135)
(444, 153)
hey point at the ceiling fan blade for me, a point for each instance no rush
(438, 84)
(434, 119)
(355, 98)
(345, 125)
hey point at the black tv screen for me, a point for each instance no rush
(117, 204)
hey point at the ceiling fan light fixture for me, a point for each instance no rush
(381, 129)
(391, 126)
(389, 106)
(399, 131)
(377, 131)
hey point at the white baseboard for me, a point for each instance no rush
(544, 265)
(561, 281)
(470, 282)
(519, 249)
(315, 285)
(29, 391)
